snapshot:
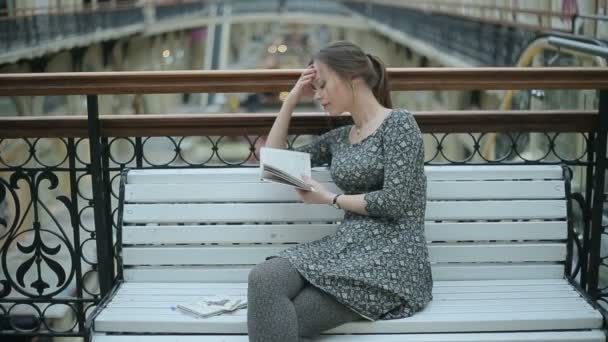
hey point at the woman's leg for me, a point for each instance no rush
(318, 311)
(271, 315)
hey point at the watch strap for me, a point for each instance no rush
(335, 201)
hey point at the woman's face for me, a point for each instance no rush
(333, 93)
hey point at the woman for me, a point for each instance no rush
(376, 265)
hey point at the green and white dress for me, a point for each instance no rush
(377, 265)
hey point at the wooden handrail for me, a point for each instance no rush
(301, 123)
(82, 83)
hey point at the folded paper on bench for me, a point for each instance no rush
(213, 306)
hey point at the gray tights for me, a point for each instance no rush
(283, 306)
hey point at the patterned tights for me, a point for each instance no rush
(283, 306)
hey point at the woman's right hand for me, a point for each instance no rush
(303, 87)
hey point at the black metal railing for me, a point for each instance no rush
(491, 43)
(32, 30)
(171, 11)
(483, 43)
(59, 175)
(36, 27)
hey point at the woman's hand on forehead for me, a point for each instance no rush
(317, 80)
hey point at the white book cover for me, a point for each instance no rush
(212, 306)
(285, 166)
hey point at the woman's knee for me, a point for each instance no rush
(272, 275)
(317, 311)
(259, 275)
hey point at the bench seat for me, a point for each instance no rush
(458, 306)
(497, 239)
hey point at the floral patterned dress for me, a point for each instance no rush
(377, 265)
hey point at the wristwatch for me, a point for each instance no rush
(335, 202)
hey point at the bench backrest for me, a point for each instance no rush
(213, 225)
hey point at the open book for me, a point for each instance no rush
(285, 166)
(213, 306)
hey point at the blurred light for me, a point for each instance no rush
(282, 48)
(272, 49)
(166, 53)
(283, 95)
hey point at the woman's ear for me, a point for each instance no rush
(356, 81)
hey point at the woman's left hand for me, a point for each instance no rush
(319, 196)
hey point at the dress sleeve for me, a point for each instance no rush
(319, 148)
(403, 170)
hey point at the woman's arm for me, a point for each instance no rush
(404, 176)
(277, 138)
(354, 203)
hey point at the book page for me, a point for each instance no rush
(287, 165)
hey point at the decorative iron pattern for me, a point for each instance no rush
(48, 282)
(46, 205)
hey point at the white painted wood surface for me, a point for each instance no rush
(510, 305)
(303, 232)
(243, 255)
(272, 192)
(551, 336)
(447, 172)
(238, 273)
(304, 212)
(490, 273)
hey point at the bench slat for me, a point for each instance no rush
(167, 311)
(436, 284)
(566, 294)
(545, 336)
(492, 172)
(424, 321)
(303, 212)
(436, 290)
(443, 172)
(472, 231)
(244, 255)
(239, 273)
(272, 192)
(511, 303)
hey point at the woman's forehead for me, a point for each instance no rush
(322, 69)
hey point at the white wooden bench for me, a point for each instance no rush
(496, 236)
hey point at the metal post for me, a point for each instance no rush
(139, 153)
(75, 220)
(567, 178)
(584, 254)
(103, 231)
(215, 43)
(598, 196)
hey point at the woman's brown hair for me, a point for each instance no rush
(349, 61)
